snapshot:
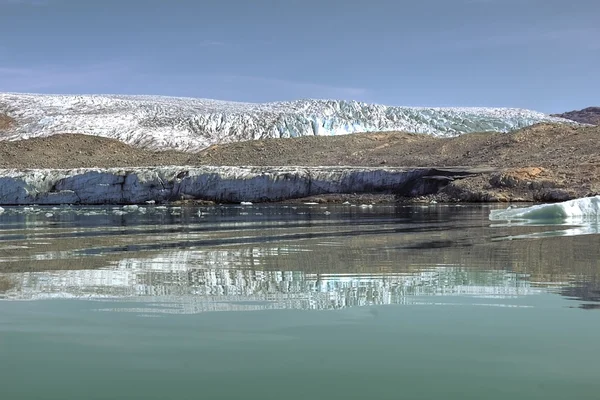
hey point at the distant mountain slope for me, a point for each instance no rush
(188, 124)
(590, 115)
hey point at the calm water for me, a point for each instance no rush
(296, 302)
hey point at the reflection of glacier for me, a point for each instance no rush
(189, 282)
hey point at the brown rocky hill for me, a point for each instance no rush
(590, 115)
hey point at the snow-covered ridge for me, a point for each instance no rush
(190, 124)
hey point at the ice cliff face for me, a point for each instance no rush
(192, 124)
(161, 184)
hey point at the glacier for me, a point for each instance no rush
(577, 209)
(222, 184)
(189, 124)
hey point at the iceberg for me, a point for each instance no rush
(583, 208)
(190, 124)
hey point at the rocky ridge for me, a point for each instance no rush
(589, 115)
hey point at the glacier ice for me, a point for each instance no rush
(189, 124)
(587, 207)
(226, 184)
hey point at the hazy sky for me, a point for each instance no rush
(539, 54)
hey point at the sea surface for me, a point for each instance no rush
(306, 301)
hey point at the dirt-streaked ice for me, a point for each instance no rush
(227, 184)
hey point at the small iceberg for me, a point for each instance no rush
(584, 208)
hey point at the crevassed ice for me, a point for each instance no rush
(587, 207)
(190, 124)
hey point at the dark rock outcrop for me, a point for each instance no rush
(590, 115)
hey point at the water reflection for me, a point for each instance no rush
(175, 284)
(568, 227)
(188, 260)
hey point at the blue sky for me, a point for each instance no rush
(538, 54)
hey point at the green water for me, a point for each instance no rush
(294, 303)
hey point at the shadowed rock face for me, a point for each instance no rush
(590, 115)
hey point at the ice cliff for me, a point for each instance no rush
(191, 124)
(225, 184)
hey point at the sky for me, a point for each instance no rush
(537, 54)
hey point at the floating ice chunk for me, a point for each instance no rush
(131, 207)
(1, 210)
(579, 208)
(150, 202)
(246, 203)
(49, 215)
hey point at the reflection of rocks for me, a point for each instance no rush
(170, 279)
(6, 284)
(588, 292)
